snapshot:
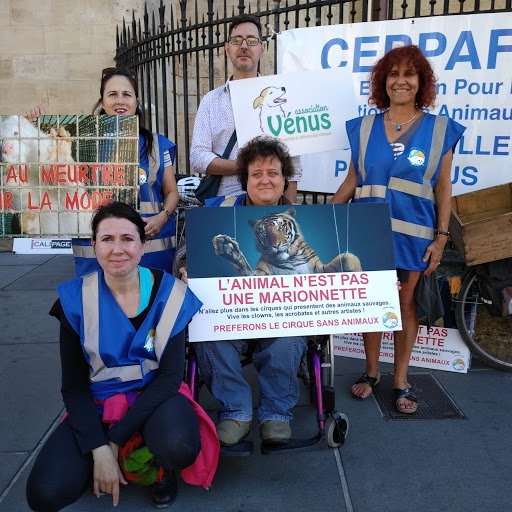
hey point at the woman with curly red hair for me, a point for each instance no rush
(403, 156)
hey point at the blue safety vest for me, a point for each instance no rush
(225, 200)
(406, 183)
(158, 252)
(120, 358)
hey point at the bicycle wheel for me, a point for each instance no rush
(488, 337)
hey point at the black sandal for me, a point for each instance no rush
(407, 393)
(366, 379)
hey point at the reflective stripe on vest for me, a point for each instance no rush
(151, 207)
(364, 137)
(146, 207)
(83, 251)
(159, 244)
(371, 191)
(411, 229)
(169, 315)
(229, 201)
(423, 190)
(99, 371)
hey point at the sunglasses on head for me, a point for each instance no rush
(117, 71)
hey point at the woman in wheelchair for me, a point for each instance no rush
(263, 167)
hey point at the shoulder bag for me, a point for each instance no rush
(210, 184)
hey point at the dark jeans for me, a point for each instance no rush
(61, 473)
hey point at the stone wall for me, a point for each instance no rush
(53, 51)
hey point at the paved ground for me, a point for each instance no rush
(424, 466)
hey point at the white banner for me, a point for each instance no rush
(294, 305)
(471, 58)
(303, 110)
(439, 349)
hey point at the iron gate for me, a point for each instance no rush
(180, 57)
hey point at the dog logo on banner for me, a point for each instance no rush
(270, 102)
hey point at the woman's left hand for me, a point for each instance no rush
(107, 474)
(434, 252)
(154, 224)
(443, 194)
(184, 275)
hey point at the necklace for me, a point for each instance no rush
(399, 125)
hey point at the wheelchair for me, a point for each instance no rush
(317, 373)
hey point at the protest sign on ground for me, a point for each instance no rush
(440, 348)
(56, 171)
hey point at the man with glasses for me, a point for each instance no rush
(215, 123)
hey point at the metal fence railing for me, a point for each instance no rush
(179, 56)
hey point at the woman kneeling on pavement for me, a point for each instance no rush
(263, 168)
(122, 346)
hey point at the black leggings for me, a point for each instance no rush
(61, 473)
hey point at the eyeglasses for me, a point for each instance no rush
(117, 71)
(238, 40)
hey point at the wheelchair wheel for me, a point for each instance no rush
(488, 337)
(336, 429)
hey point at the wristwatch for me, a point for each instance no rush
(447, 233)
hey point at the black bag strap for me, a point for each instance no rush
(230, 145)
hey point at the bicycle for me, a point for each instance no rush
(488, 337)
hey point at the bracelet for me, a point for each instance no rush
(447, 233)
(168, 213)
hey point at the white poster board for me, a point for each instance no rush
(295, 294)
(263, 307)
(440, 349)
(471, 57)
(303, 110)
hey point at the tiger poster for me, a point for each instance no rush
(269, 271)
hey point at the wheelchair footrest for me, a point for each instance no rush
(243, 448)
(318, 442)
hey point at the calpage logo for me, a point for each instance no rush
(61, 244)
(45, 244)
(41, 244)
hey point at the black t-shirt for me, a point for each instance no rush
(85, 420)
